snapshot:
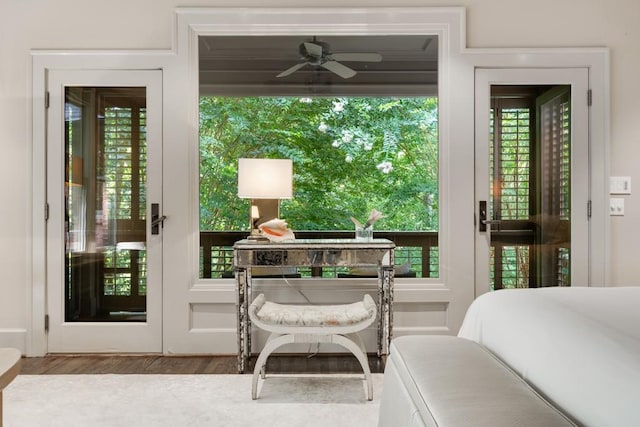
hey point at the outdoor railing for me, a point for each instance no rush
(417, 248)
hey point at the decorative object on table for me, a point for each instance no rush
(365, 231)
(364, 234)
(265, 182)
(276, 230)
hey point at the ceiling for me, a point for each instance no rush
(248, 65)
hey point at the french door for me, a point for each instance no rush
(104, 158)
(532, 178)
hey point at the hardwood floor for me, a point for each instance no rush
(158, 364)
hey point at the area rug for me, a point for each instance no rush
(189, 400)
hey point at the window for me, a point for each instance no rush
(351, 155)
(351, 152)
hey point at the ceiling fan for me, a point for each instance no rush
(318, 54)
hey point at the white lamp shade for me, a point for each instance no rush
(265, 178)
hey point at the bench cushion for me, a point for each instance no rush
(452, 381)
(271, 313)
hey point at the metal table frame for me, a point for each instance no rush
(313, 253)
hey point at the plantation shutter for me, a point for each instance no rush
(511, 152)
(555, 181)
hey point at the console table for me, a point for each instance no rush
(313, 253)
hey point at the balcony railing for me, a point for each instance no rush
(417, 248)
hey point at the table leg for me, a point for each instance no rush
(390, 277)
(241, 288)
(387, 286)
(247, 320)
(380, 333)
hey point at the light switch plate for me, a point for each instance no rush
(616, 206)
(620, 185)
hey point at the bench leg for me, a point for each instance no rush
(352, 342)
(271, 345)
(356, 346)
(272, 336)
(356, 338)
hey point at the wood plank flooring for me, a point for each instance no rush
(160, 364)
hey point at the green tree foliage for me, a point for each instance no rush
(350, 155)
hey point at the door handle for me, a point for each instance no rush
(482, 226)
(156, 219)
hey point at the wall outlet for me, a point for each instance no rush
(616, 206)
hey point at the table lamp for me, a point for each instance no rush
(265, 182)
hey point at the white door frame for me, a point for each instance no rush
(43, 62)
(577, 78)
(596, 60)
(102, 337)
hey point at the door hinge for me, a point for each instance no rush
(46, 323)
(46, 100)
(589, 209)
(46, 211)
(589, 97)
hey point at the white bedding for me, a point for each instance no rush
(579, 347)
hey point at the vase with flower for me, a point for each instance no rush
(364, 232)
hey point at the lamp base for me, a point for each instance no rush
(256, 238)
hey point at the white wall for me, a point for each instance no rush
(148, 24)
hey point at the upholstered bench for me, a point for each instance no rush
(451, 381)
(337, 324)
(9, 369)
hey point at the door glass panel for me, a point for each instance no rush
(105, 204)
(555, 182)
(530, 186)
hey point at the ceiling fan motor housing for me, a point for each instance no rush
(312, 58)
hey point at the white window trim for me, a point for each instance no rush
(445, 22)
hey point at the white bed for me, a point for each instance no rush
(578, 347)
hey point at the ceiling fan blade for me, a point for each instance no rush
(341, 70)
(292, 70)
(357, 56)
(313, 49)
